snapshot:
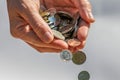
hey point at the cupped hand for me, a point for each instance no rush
(27, 24)
(81, 7)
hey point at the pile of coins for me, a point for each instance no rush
(65, 27)
(62, 24)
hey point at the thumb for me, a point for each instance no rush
(39, 26)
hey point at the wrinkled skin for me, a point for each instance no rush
(27, 24)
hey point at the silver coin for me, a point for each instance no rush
(76, 27)
(66, 29)
(51, 23)
(52, 19)
(51, 26)
(66, 55)
(58, 20)
(84, 75)
(65, 15)
(58, 35)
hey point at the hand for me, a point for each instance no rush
(81, 7)
(27, 24)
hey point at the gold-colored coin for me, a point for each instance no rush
(79, 57)
(45, 14)
(45, 18)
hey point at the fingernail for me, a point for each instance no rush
(91, 17)
(48, 37)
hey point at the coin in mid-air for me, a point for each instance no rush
(58, 35)
(73, 42)
(66, 55)
(84, 75)
(79, 58)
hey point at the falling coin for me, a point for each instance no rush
(79, 57)
(73, 42)
(66, 55)
(84, 75)
(58, 35)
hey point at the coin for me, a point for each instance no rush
(66, 55)
(65, 15)
(45, 14)
(73, 42)
(51, 23)
(51, 26)
(52, 19)
(47, 21)
(84, 75)
(79, 57)
(45, 18)
(66, 35)
(66, 29)
(58, 35)
(58, 20)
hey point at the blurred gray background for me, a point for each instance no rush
(18, 61)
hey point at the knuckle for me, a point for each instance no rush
(17, 30)
(13, 32)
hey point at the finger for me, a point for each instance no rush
(85, 10)
(81, 46)
(83, 29)
(45, 49)
(31, 14)
(26, 33)
(71, 49)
